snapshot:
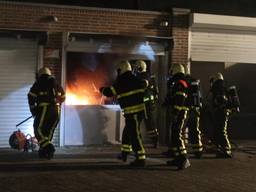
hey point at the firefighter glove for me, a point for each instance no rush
(101, 89)
(33, 111)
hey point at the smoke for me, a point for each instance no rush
(129, 48)
(146, 50)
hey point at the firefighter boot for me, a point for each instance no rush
(223, 155)
(47, 151)
(138, 163)
(42, 153)
(123, 156)
(179, 162)
(155, 141)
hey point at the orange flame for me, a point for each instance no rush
(83, 95)
(72, 99)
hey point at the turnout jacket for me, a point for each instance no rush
(45, 91)
(177, 92)
(151, 92)
(129, 91)
(219, 97)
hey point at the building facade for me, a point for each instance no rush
(82, 44)
(62, 37)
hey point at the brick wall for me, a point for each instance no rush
(54, 42)
(36, 17)
(180, 34)
(77, 19)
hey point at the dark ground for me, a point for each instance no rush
(96, 169)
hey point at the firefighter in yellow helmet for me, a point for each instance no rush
(129, 91)
(150, 100)
(176, 98)
(44, 98)
(222, 105)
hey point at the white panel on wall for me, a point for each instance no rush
(223, 45)
(123, 47)
(92, 125)
(18, 59)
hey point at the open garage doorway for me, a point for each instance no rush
(242, 75)
(89, 117)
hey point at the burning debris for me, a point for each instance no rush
(87, 72)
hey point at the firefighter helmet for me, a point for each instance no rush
(219, 76)
(44, 71)
(177, 68)
(141, 66)
(123, 67)
(187, 69)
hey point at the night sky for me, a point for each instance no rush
(224, 7)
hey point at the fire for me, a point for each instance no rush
(84, 81)
(72, 99)
(83, 95)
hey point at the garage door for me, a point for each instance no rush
(220, 38)
(18, 61)
(223, 45)
(227, 44)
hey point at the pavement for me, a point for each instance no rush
(97, 169)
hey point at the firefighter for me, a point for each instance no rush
(222, 106)
(177, 94)
(44, 98)
(194, 103)
(150, 100)
(129, 91)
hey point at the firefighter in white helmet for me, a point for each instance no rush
(129, 91)
(44, 98)
(176, 98)
(150, 100)
(223, 104)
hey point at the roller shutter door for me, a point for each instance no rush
(228, 44)
(18, 62)
(223, 45)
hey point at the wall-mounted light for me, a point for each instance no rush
(164, 23)
(54, 19)
(50, 19)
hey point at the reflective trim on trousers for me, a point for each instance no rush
(142, 151)
(39, 128)
(142, 157)
(134, 109)
(126, 148)
(55, 124)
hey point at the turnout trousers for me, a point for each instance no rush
(131, 137)
(221, 139)
(177, 145)
(45, 122)
(150, 121)
(195, 135)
